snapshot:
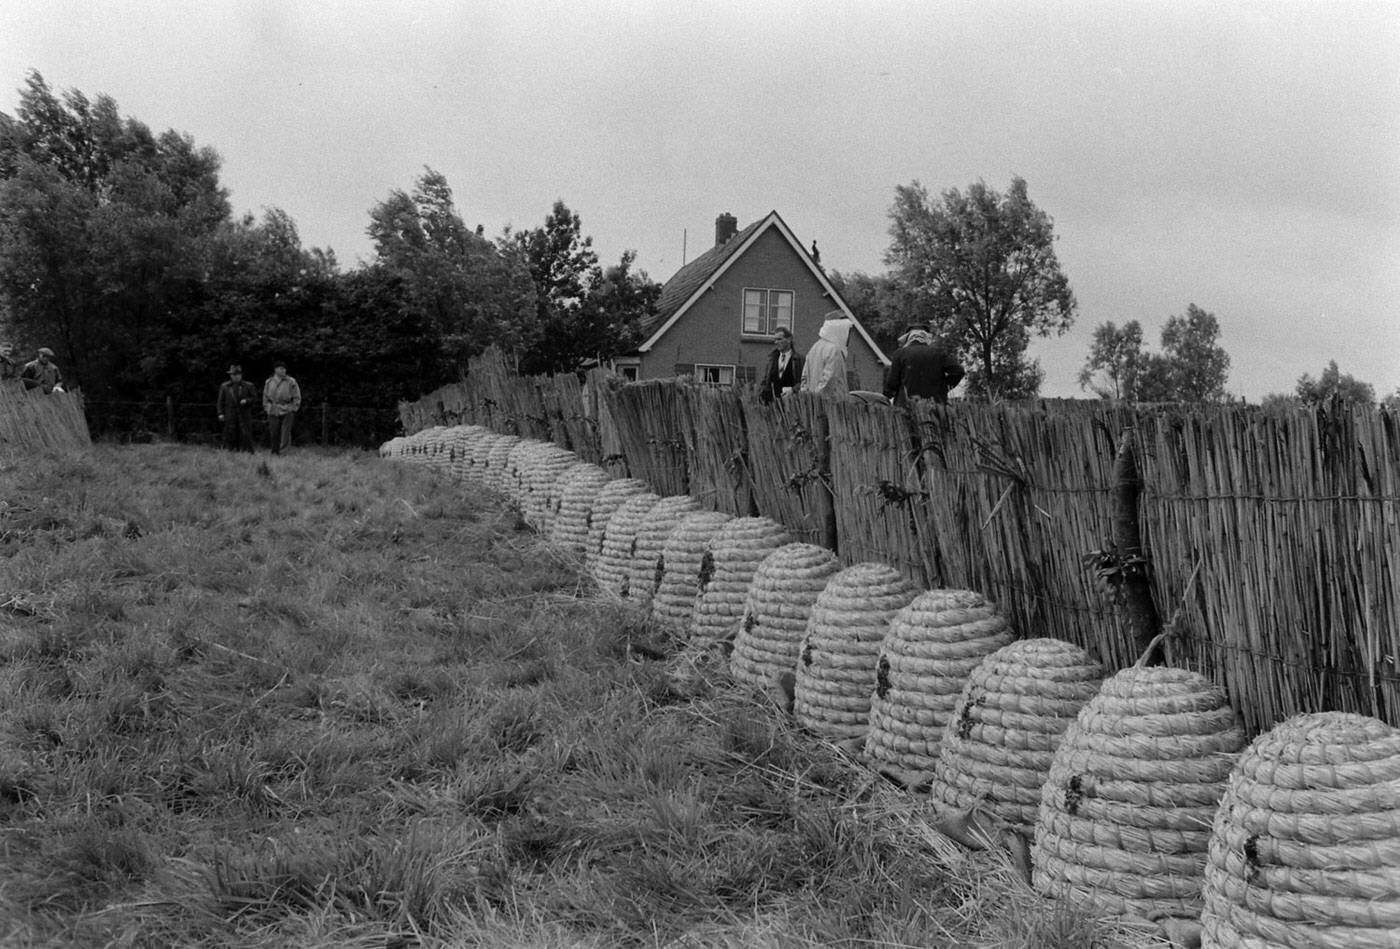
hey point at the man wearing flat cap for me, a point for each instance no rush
(236, 400)
(9, 368)
(41, 372)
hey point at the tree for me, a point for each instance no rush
(1116, 354)
(1192, 366)
(881, 305)
(982, 267)
(1333, 385)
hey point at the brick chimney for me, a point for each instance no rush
(726, 226)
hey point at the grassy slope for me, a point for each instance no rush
(321, 700)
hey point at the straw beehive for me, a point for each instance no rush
(498, 458)
(613, 568)
(679, 569)
(475, 446)
(933, 645)
(1126, 810)
(727, 568)
(577, 487)
(785, 587)
(1305, 848)
(836, 661)
(542, 469)
(1010, 718)
(605, 503)
(652, 533)
(517, 460)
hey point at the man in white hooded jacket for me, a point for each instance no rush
(824, 372)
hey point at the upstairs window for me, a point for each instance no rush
(766, 310)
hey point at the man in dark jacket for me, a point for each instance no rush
(784, 369)
(236, 400)
(921, 369)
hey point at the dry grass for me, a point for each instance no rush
(322, 700)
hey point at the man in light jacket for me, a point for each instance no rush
(824, 372)
(281, 399)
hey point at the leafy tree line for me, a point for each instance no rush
(120, 251)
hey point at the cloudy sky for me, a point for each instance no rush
(1244, 157)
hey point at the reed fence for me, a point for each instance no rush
(1270, 540)
(31, 420)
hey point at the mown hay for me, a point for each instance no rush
(577, 489)
(678, 572)
(613, 568)
(651, 537)
(837, 659)
(1126, 810)
(1011, 715)
(1305, 848)
(933, 645)
(604, 505)
(785, 587)
(726, 573)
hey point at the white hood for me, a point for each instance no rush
(836, 332)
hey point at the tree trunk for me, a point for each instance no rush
(1136, 587)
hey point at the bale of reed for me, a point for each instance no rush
(839, 651)
(1305, 847)
(600, 512)
(1011, 716)
(785, 587)
(679, 570)
(727, 570)
(1126, 810)
(577, 488)
(613, 568)
(498, 455)
(656, 526)
(933, 645)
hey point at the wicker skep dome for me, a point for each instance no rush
(836, 661)
(933, 645)
(1010, 718)
(613, 568)
(652, 533)
(678, 572)
(577, 488)
(498, 457)
(605, 503)
(726, 573)
(785, 587)
(517, 461)
(1305, 848)
(477, 445)
(540, 469)
(1125, 812)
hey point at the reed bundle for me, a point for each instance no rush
(791, 468)
(31, 419)
(644, 571)
(718, 450)
(654, 430)
(785, 587)
(579, 489)
(613, 567)
(836, 665)
(932, 647)
(1126, 810)
(1012, 713)
(600, 513)
(678, 570)
(727, 569)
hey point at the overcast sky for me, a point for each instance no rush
(1244, 157)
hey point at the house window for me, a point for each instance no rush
(714, 375)
(628, 372)
(766, 310)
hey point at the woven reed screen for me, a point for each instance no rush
(718, 450)
(790, 467)
(654, 431)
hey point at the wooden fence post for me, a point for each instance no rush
(324, 408)
(170, 416)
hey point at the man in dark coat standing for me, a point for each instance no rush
(236, 400)
(784, 369)
(921, 369)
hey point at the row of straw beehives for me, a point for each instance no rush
(1136, 792)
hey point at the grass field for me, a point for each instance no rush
(323, 700)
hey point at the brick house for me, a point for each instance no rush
(717, 314)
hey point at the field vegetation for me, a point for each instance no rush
(324, 700)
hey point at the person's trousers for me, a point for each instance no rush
(238, 433)
(279, 430)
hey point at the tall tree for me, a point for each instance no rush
(982, 265)
(1116, 360)
(1332, 384)
(1192, 366)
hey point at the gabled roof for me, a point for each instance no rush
(689, 284)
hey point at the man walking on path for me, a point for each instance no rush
(921, 369)
(42, 373)
(281, 399)
(237, 397)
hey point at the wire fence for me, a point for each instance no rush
(197, 423)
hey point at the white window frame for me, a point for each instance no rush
(719, 372)
(766, 310)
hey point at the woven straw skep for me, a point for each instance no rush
(836, 663)
(933, 645)
(542, 467)
(785, 587)
(1126, 809)
(517, 462)
(1305, 847)
(578, 487)
(652, 533)
(1010, 718)
(600, 512)
(477, 446)
(727, 570)
(678, 570)
(498, 455)
(613, 568)
(553, 493)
